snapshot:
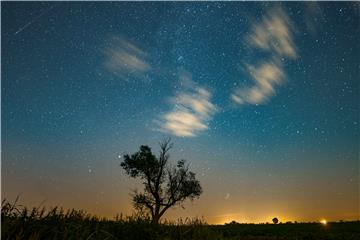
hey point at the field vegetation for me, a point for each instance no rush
(56, 223)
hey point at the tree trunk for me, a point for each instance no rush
(156, 218)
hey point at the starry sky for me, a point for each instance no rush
(262, 98)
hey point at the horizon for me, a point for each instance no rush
(261, 98)
(116, 216)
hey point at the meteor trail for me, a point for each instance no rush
(32, 21)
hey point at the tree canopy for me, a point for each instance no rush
(165, 185)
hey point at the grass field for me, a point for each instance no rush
(73, 224)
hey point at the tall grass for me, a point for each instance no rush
(19, 222)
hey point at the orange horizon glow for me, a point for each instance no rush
(283, 220)
(248, 214)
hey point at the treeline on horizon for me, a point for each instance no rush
(19, 222)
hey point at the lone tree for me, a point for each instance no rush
(275, 220)
(165, 185)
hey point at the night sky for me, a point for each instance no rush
(261, 98)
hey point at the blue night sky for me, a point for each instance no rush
(262, 99)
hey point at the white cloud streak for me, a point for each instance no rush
(274, 35)
(191, 111)
(266, 77)
(124, 59)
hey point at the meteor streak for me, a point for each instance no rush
(32, 21)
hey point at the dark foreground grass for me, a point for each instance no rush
(73, 224)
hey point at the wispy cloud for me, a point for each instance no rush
(123, 58)
(313, 16)
(191, 111)
(266, 76)
(274, 35)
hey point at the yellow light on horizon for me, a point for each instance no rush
(323, 221)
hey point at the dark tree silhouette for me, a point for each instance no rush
(165, 185)
(275, 220)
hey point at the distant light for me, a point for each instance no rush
(323, 221)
